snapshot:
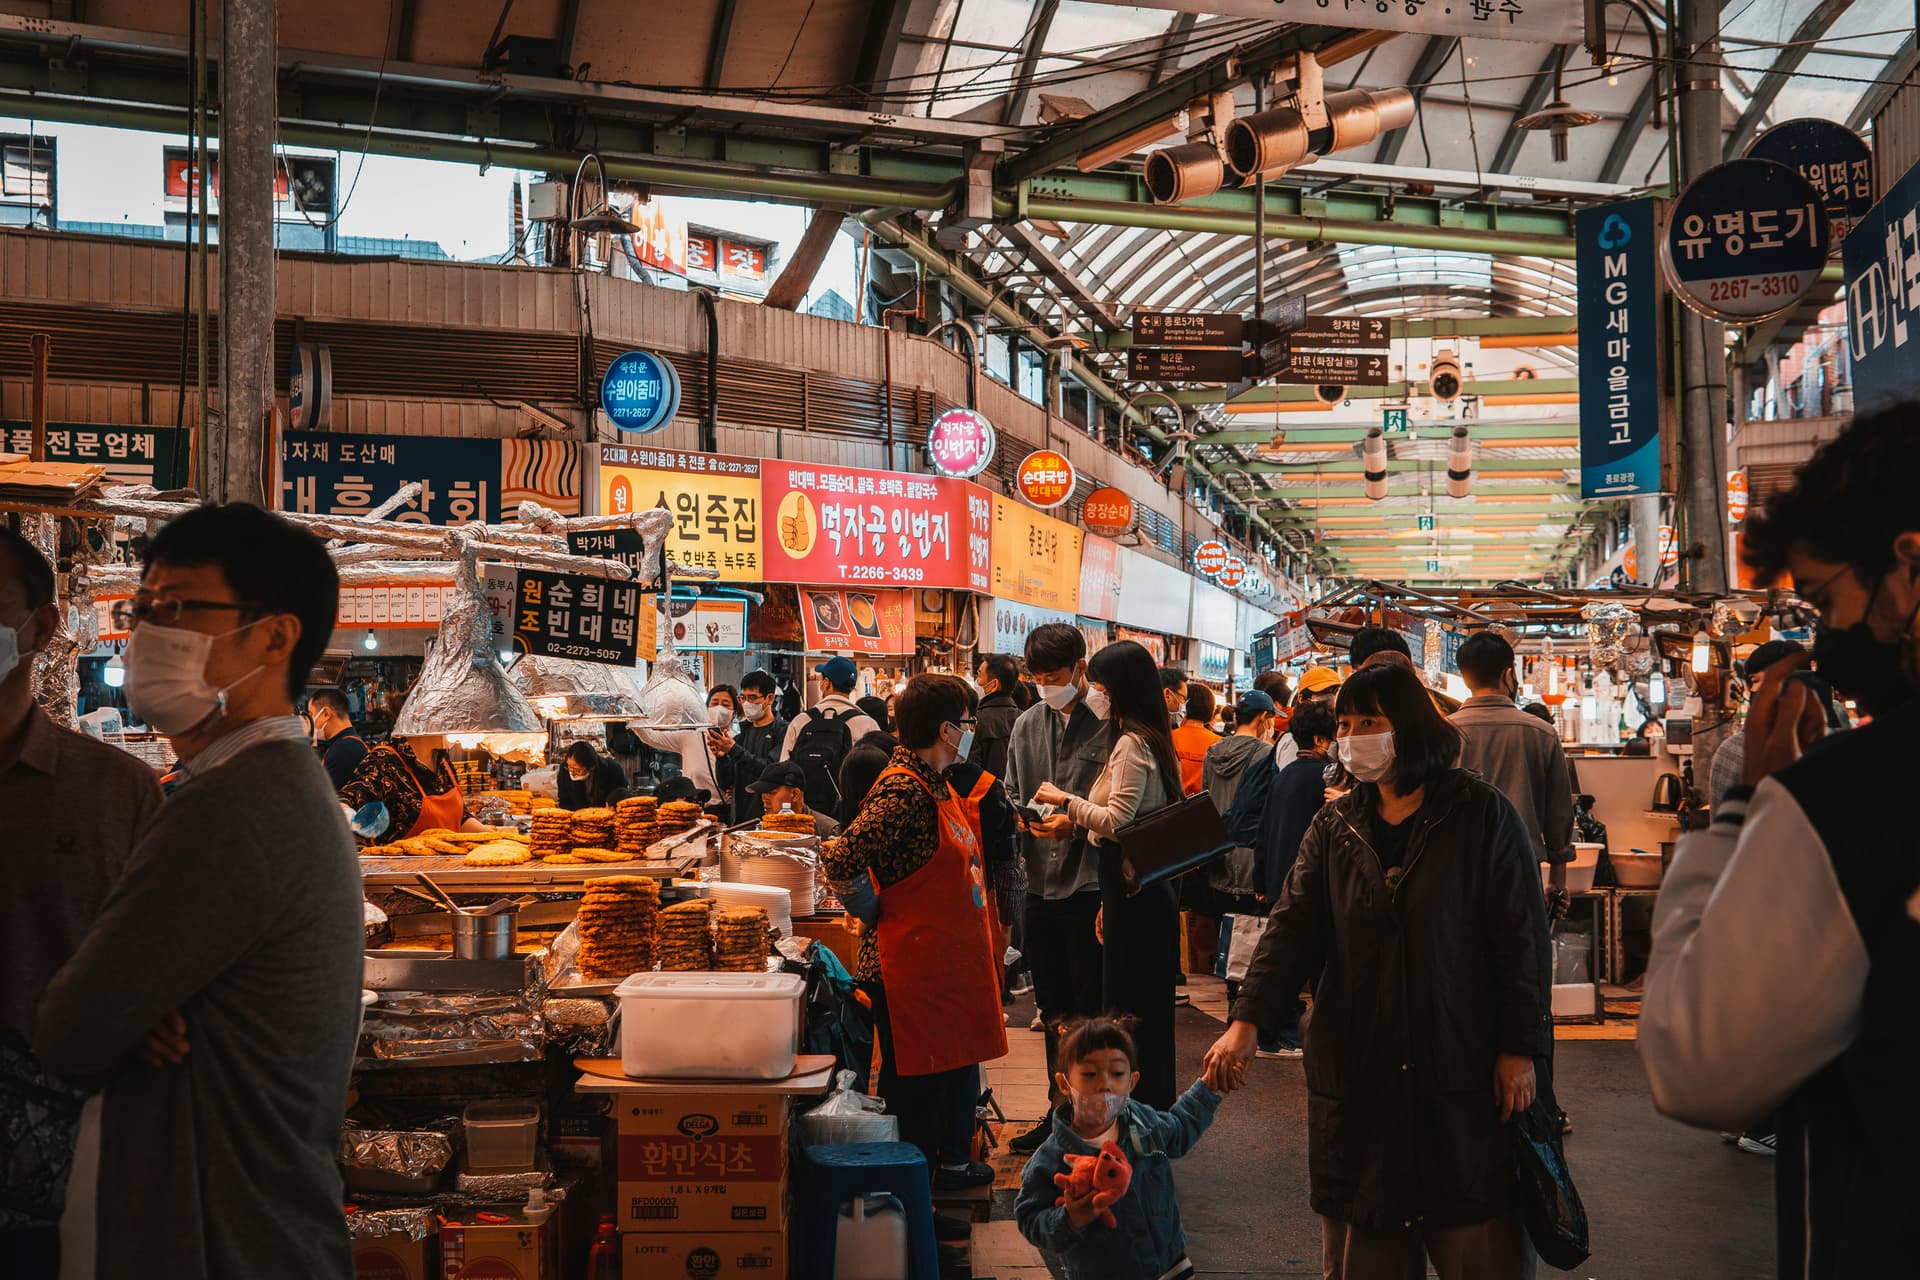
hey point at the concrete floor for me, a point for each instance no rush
(1665, 1201)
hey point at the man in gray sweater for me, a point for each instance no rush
(216, 999)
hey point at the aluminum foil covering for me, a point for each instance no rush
(368, 1224)
(408, 1153)
(582, 1027)
(422, 1027)
(56, 684)
(590, 688)
(1606, 627)
(463, 688)
(670, 697)
(505, 1186)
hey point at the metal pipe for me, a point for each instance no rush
(203, 185)
(710, 418)
(37, 450)
(248, 82)
(1703, 341)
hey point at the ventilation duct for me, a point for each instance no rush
(1373, 457)
(1460, 464)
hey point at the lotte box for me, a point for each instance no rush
(701, 1162)
(396, 1256)
(500, 1244)
(714, 1255)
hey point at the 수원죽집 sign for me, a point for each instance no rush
(1619, 312)
(714, 499)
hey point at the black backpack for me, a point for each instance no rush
(823, 744)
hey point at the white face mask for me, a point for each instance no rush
(1177, 718)
(11, 654)
(964, 745)
(1059, 696)
(751, 711)
(721, 715)
(1098, 702)
(167, 677)
(1097, 1110)
(1368, 756)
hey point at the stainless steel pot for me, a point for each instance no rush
(488, 937)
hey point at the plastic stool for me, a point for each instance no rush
(830, 1176)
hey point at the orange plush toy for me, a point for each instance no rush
(1107, 1175)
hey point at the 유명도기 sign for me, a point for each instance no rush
(1745, 242)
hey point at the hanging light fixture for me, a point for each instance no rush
(1373, 460)
(115, 672)
(1702, 652)
(1657, 687)
(372, 641)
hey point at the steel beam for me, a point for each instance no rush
(1392, 391)
(1899, 71)
(1786, 61)
(237, 450)
(717, 50)
(1028, 242)
(789, 289)
(1633, 130)
(1039, 27)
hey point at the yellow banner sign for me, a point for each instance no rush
(714, 498)
(1036, 559)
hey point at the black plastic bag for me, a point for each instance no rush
(838, 1019)
(1549, 1203)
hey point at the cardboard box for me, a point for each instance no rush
(718, 1255)
(500, 1244)
(694, 1162)
(393, 1257)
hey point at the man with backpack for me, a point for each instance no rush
(820, 737)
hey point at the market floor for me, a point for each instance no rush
(1665, 1201)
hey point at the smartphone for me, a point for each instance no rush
(1036, 812)
(1823, 691)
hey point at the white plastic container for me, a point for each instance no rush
(1586, 861)
(709, 1026)
(502, 1134)
(870, 1240)
(1638, 870)
(1576, 1000)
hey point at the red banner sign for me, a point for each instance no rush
(1210, 558)
(1045, 478)
(1109, 512)
(828, 524)
(878, 622)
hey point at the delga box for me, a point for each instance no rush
(701, 1162)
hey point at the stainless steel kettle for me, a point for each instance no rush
(1668, 793)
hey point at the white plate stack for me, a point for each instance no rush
(783, 871)
(778, 903)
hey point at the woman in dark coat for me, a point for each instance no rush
(588, 780)
(1416, 900)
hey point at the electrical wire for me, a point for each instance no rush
(366, 142)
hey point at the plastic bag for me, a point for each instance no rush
(1549, 1203)
(839, 1019)
(1572, 956)
(849, 1116)
(543, 782)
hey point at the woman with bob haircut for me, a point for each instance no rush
(1140, 926)
(1416, 900)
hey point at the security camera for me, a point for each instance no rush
(1444, 382)
(1330, 394)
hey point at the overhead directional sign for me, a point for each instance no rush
(1188, 329)
(1197, 364)
(1359, 333)
(1620, 388)
(1271, 330)
(1746, 241)
(1326, 368)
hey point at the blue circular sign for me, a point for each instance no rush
(1834, 161)
(640, 392)
(1745, 241)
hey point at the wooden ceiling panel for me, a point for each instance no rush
(453, 33)
(647, 44)
(357, 27)
(768, 33)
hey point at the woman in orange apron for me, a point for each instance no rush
(929, 964)
(384, 774)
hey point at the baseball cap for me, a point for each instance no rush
(839, 672)
(784, 774)
(1318, 680)
(1258, 702)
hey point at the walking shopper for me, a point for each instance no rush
(1516, 753)
(819, 738)
(1729, 762)
(861, 769)
(928, 966)
(998, 678)
(1800, 896)
(1141, 924)
(1173, 690)
(1317, 684)
(1228, 885)
(740, 761)
(1417, 899)
(75, 807)
(217, 997)
(341, 746)
(1138, 1236)
(1058, 740)
(1193, 738)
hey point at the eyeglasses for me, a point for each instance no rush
(128, 614)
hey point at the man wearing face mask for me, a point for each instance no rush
(75, 806)
(740, 762)
(1060, 739)
(1173, 688)
(342, 747)
(1802, 894)
(217, 997)
(929, 966)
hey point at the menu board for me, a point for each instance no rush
(873, 622)
(831, 525)
(1036, 559)
(715, 500)
(558, 615)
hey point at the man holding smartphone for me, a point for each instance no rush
(1058, 740)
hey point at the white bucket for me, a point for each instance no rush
(1586, 860)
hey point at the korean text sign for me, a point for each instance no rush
(1036, 559)
(714, 498)
(1619, 310)
(131, 455)
(558, 615)
(826, 524)
(1882, 262)
(1745, 241)
(877, 622)
(462, 479)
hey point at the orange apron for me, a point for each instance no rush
(970, 802)
(446, 810)
(936, 952)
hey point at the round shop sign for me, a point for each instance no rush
(1109, 513)
(640, 392)
(1738, 495)
(1745, 242)
(960, 444)
(1835, 162)
(1046, 478)
(1210, 558)
(1233, 573)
